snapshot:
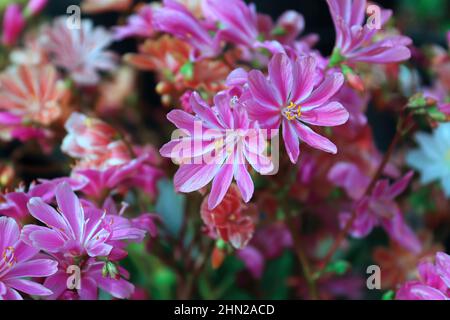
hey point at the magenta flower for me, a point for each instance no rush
(80, 51)
(176, 19)
(224, 140)
(433, 282)
(238, 22)
(138, 25)
(288, 99)
(14, 204)
(379, 208)
(70, 231)
(13, 24)
(140, 173)
(18, 263)
(355, 40)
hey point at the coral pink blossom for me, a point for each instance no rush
(224, 140)
(290, 100)
(18, 263)
(433, 282)
(80, 51)
(99, 6)
(32, 93)
(13, 24)
(356, 42)
(231, 220)
(94, 142)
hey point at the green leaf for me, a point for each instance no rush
(274, 280)
(187, 70)
(338, 267)
(388, 295)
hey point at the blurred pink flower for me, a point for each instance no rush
(433, 283)
(94, 142)
(34, 7)
(99, 6)
(13, 24)
(224, 140)
(138, 173)
(81, 52)
(378, 208)
(288, 99)
(238, 22)
(18, 263)
(355, 40)
(138, 25)
(92, 278)
(174, 18)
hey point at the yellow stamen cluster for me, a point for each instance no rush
(9, 257)
(291, 113)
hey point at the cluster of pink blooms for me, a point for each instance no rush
(236, 82)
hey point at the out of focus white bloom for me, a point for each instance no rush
(81, 52)
(432, 158)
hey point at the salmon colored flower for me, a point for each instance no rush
(99, 6)
(94, 142)
(35, 94)
(231, 220)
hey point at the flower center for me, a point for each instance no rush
(292, 111)
(8, 256)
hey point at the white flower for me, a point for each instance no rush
(432, 158)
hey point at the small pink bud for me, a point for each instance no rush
(34, 7)
(13, 24)
(355, 82)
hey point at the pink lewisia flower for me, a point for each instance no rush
(14, 204)
(176, 19)
(238, 22)
(378, 208)
(290, 25)
(138, 25)
(288, 98)
(433, 283)
(13, 24)
(81, 52)
(225, 129)
(92, 277)
(140, 173)
(18, 262)
(355, 41)
(75, 230)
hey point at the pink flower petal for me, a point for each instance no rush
(331, 114)
(220, 185)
